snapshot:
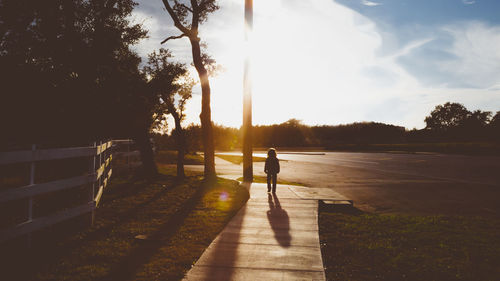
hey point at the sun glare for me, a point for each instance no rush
(269, 70)
(303, 53)
(295, 60)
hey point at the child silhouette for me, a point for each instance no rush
(272, 168)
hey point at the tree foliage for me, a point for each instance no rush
(446, 116)
(67, 71)
(452, 121)
(191, 12)
(172, 88)
(495, 120)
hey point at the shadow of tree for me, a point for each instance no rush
(29, 261)
(347, 209)
(127, 268)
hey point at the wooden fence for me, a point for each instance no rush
(100, 156)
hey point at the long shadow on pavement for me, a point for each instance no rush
(279, 221)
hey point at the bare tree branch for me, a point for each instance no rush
(176, 20)
(185, 7)
(173, 37)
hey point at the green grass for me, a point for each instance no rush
(179, 219)
(238, 159)
(262, 179)
(403, 247)
(170, 157)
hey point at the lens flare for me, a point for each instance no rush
(223, 196)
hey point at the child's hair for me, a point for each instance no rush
(271, 152)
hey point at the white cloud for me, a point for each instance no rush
(468, 2)
(475, 46)
(370, 3)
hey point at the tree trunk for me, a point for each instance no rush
(147, 156)
(179, 138)
(205, 115)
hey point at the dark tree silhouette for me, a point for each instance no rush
(447, 116)
(453, 122)
(476, 123)
(479, 118)
(496, 119)
(494, 126)
(69, 76)
(172, 88)
(187, 16)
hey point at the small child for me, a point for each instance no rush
(272, 168)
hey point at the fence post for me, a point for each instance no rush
(30, 199)
(32, 182)
(99, 180)
(128, 155)
(92, 171)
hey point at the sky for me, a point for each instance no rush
(329, 62)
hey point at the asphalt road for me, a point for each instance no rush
(398, 182)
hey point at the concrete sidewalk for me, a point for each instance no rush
(270, 238)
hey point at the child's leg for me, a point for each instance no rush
(275, 178)
(269, 182)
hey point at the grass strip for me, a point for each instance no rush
(238, 159)
(404, 247)
(262, 179)
(175, 221)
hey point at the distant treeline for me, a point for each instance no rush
(292, 134)
(450, 123)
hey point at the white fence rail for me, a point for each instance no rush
(98, 177)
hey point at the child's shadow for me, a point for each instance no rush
(279, 220)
